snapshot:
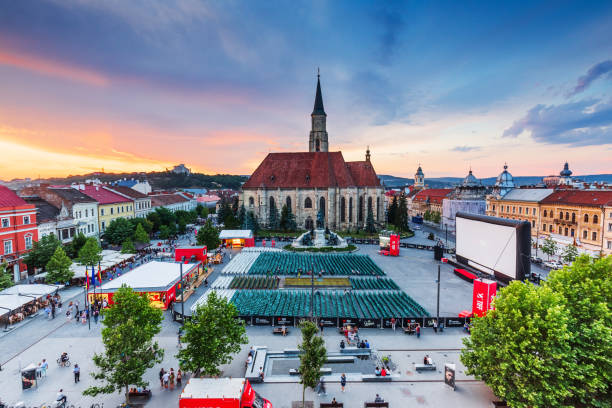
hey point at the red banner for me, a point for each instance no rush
(394, 241)
(484, 293)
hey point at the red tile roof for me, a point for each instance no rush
(102, 195)
(435, 195)
(130, 192)
(166, 199)
(579, 197)
(8, 198)
(310, 170)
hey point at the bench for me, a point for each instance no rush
(408, 330)
(356, 351)
(330, 405)
(142, 396)
(291, 351)
(425, 367)
(376, 378)
(375, 405)
(279, 330)
(259, 359)
(324, 370)
(343, 359)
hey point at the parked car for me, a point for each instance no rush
(553, 264)
(536, 260)
(416, 227)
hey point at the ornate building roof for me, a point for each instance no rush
(311, 170)
(566, 172)
(470, 180)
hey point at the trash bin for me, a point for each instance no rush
(28, 377)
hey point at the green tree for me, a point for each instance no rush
(212, 336)
(549, 247)
(42, 251)
(312, 356)
(427, 215)
(5, 278)
(182, 227)
(401, 217)
(202, 211)
(128, 247)
(90, 253)
(129, 327)
(252, 222)
(370, 226)
(73, 248)
(570, 252)
(58, 267)
(155, 220)
(164, 232)
(242, 217)
(231, 221)
(392, 211)
(273, 219)
(436, 217)
(118, 231)
(548, 346)
(287, 219)
(143, 222)
(208, 235)
(140, 235)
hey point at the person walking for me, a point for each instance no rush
(321, 326)
(161, 377)
(343, 381)
(166, 379)
(44, 367)
(393, 323)
(179, 378)
(52, 309)
(435, 326)
(96, 313)
(418, 331)
(77, 373)
(171, 378)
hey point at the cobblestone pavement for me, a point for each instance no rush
(414, 271)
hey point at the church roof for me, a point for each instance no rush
(318, 105)
(310, 170)
(566, 172)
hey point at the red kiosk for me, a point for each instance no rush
(483, 295)
(187, 252)
(237, 238)
(389, 245)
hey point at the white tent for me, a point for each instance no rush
(8, 303)
(34, 290)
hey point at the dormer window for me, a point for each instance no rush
(272, 178)
(308, 178)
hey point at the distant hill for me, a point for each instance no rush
(445, 182)
(158, 180)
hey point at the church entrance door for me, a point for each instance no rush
(309, 224)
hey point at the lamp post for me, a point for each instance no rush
(438, 300)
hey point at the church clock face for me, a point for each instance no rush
(318, 123)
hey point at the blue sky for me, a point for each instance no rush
(217, 85)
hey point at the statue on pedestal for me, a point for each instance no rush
(320, 220)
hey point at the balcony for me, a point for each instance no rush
(565, 222)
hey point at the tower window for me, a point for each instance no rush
(308, 203)
(318, 145)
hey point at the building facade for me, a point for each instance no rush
(52, 220)
(469, 197)
(607, 240)
(142, 202)
(110, 205)
(18, 231)
(172, 202)
(429, 199)
(313, 181)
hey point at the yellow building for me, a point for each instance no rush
(110, 205)
(520, 204)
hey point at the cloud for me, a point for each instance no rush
(596, 71)
(392, 23)
(465, 148)
(582, 123)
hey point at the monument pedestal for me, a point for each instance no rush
(319, 238)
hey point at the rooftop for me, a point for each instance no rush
(213, 388)
(596, 198)
(72, 195)
(153, 276)
(45, 212)
(528, 194)
(161, 200)
(8, 198)
(127, 191)
(102, 195)
(435, 195)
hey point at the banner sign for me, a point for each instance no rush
(412, 321)
(369, 323)
(328, 321)
(454, 322)
(262, 320)
(394, 245)
(449, 375)
(348, 320)
(484, 292)
(284, 321)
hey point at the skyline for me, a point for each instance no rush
(128, 87)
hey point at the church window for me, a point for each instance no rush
(573, 217)
(308, 203)
(350, 212)
(586, 218)
(251, 202)
(342, 209)
(545, 213)
(288, 202)
(595, 219)
(322, 205)
(378, 208)
(370, 206)
(360, 210)
(272, 204)
(318, 145)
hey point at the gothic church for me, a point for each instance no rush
(316, 180)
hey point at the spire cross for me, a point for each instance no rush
(318, 72)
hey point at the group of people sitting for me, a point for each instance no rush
(359, 344)
(381, 373)
(427, 360)
(139, 390)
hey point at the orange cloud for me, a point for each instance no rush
(53, 68)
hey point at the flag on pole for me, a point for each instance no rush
(86, 279)
(100, 276)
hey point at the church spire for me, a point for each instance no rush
(318, 105)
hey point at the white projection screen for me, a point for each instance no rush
(496, 246)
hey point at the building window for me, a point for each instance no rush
(101, 211)
(288, 203)
(566, 231)
(28, 241)
(533, 223)
(567, 216)
(8, 247)
(594, 236)
(572, 232)
(586, 217)
(251, 202)
(308, 203)
(610, 227)
(493, 207)
(377, 208)
(26, 219)
(112, 210)
(550, 228)
(585, 234)
(272, 203)
(534, 211)
(609, 244)
(544, 227)
(6, 222)
(350, 215)
(560, 230)
(360, 210)
(595, 219)
(103, 225)
(513, 210)
(520, 210)
(545, 213)
(573, 217)
(343, 210)
(322, 205)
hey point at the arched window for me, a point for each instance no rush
(272, 203)
(377, 208)
(350, 209)
(370, 206)
(586, 217)
(288, 202)
(573, 217)
(342, 209)
(550, 228)
(595, 219)
(308, 203)
(251, 202)
(322, 205)
(567, 216)
(545, 213)
(360, 210)
(318, 145)
(566, 231)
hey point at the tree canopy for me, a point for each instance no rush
(392, 211)
(42, 251)
(370, 226)
(118, 231)
(6, 281)
(287, 219)
(58, 267)
(570, 252)
(129, 327)
(208, 235)
(212, 336)
(312, 357)
(548, 346)
(128, 247)
(140, 235)
(549, 247)
(90, 253)
(73, 248)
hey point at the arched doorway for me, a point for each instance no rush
(309, 224)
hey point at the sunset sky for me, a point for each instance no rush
(144, 85)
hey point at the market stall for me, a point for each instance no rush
(159, 281)
(237, 238)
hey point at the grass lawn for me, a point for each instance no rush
(318, 282)
(269, 234)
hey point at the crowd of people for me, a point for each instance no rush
(167, 379)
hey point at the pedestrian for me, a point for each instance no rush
(418, 330)
(44, 367)
(96, 313)
(161, 377)
(321, 326)
(343, 381)
(68, 315)
(77, 373)
(171, 379)
(166, 379)
(83, 317)
(393, 323)
(435, 326)
(48, 312)
(179, 378)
